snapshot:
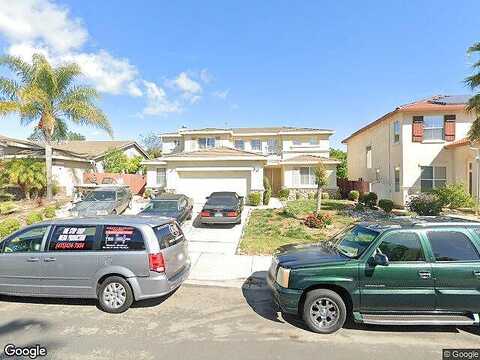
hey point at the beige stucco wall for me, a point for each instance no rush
(288, 177)
(69, 173)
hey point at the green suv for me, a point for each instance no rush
(421, 271)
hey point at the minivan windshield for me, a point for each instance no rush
(100, 196)
(354, 241)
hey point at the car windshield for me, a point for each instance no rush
(222, 201)
(354, 241)
(162, 206)
(100, 196)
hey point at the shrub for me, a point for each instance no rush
(454, 196)
(254, 199)
(312, 195)
(359, 207)
(369, 199)
(298, 195)
(6, 208)
(326, 219)
(425, 204)
(325, 196)
(267, 194)
(147, 193)
(49, 212)
(33, 218)
(8, 226)
(386, 205)
(283, 194)
(318, 220)
(353, 195)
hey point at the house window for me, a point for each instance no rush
(240, 144)
(432, 177)
(396, 131)
(256, 145)
(433, 128)
(397, 179)
(161, 177)
(368, 152)
(313, 141)
(206, 143)
(272, 146)
(296, 142)
(307, 176)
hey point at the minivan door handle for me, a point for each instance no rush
(33, 259)
(476, 273)
(425, 274)
(49, 259)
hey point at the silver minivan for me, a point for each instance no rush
(117, 260)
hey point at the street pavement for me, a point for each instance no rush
(199, 322)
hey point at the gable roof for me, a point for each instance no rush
(220, 153)
(96, 149)
(433, 103)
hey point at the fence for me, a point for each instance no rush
(345, 186)
(136, 182)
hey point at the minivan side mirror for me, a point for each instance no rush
(380, 259)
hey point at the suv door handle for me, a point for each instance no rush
(49, 259)
(425, 274)
(33, 259)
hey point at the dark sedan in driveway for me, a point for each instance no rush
(111, 200)
(222, 208)
(174, 206)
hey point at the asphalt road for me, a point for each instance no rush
(209, 323)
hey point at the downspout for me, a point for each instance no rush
(477, 187)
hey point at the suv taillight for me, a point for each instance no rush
(157, 263)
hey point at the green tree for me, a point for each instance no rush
(46, 94)
(321, 179)
(342, 172)
(27, 173)
(473, 105)
(115, 161)
(152, 143)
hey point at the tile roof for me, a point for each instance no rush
(433, 103)
(94, 149)
(311, 159)
(250, 130)
(213, 153)
(458, 143)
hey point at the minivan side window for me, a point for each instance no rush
(27, 241)
(402, 246)
(452, 246)
(168, 235)
(126, 238)
(73, 238)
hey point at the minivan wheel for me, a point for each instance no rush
(324, 311)
(115, 295)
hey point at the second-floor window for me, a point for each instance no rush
(206, 143)
(368, 157)
(433, 127)
(256, 145)
(396, 132)
(272, 146)
(313, 141)
(240, 144)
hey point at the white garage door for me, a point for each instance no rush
(200, 184)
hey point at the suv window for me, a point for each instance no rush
(402, 246)
(125, 238)
(73, 238)
(168, 235)
(27, 241)
(452, 246)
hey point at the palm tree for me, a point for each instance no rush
(48, 96)
(321, 179)
(473, 82)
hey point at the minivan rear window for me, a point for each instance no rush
(168, 235)
(73, 238)
(126, 238)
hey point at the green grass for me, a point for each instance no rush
(268, 229)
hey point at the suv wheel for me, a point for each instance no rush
(324, 311)
(115, 295)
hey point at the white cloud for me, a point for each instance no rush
(205, 76)
(157, 101)
(187, 85)
(221, 94)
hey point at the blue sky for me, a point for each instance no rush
(327, 64)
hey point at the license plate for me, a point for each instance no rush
(218, 215)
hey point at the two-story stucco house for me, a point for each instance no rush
(414, 148)
(197, 162)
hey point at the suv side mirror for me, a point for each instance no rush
(380, 259)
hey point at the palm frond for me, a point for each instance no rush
(473, 81)
(84, 113)
(8, 88)
(474, 48)
(474, 132)
(474, 104)
(80, 93)
(21, 68)
(8, 107)
(43, 75)
(34, 94)
(65, 75)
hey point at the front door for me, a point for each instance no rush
(456, 269)
(405, 284)
(20, 262)
(274, 176)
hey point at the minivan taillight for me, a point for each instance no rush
(205, 214)
(157, 263)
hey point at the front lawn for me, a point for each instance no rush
(268, 229)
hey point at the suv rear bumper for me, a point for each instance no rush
(286, 299)
(157, 284)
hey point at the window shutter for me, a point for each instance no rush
(449, 127)
(417, 129)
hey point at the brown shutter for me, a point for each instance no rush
(417, 129)
(449, 127)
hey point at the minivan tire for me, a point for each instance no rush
(115, 287)
(324, 303)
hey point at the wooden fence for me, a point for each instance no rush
(345, 186)
(136, 182)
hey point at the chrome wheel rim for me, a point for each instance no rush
(114, 295)
(324, 313)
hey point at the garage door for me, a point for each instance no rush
(198, 185)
